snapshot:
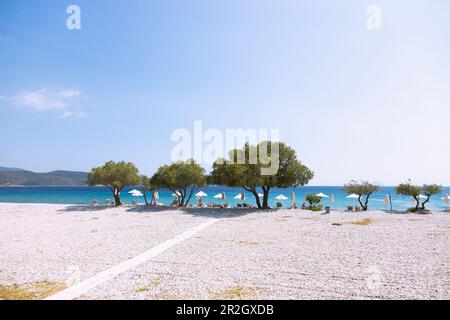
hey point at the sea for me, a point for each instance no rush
(76, 195)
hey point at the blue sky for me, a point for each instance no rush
(355, 103)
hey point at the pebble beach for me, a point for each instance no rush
(240, 254)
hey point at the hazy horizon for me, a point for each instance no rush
(354, 103)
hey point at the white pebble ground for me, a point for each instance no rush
(280, 254)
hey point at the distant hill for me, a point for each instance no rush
(3, 169)
(20, 177)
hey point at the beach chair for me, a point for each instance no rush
(349, 209)
(107, 202)
(358, 209)
(239, 205)
(279, 205)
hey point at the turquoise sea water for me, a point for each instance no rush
(84, 195)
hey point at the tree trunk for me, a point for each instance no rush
(182, 198)
(425, 202)
(417, 202)
(360, 201)
(255, 194)
(366, 204)
(189, 197)
(116, 192)
(145, 197)
(266, 191)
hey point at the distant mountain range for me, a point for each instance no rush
(20, 177)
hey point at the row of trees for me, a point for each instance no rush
(365, 190)
(427, 191)
(185, 178)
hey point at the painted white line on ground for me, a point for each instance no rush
(86, 285)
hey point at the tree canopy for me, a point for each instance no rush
(313, 199)
(408, 189)
(182, 177)
(265, 166)
(430, 190)
(362, 188)
(115, 176)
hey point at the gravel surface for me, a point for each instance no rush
(72, 243)
(284, 254)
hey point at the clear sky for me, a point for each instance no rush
(355, 103)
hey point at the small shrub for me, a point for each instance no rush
(418, 211)
(364, 222)
(236, 292)
(313, 200)
(30, 291)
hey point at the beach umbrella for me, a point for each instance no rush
(218, 196)
(387, 200)
(240, 196)
(421, 196)
(136, 193)
(353, 196)
(322, 195)
(260, 195)
(446, 198)
(281, 197)
(201, 194)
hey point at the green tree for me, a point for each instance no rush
(184, 178)
(362, 188)
(146, 187)
(115, 176)
(265, 166)
(430, 190)
(313, 200)
(408, 189)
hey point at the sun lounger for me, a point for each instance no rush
(279, 205)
